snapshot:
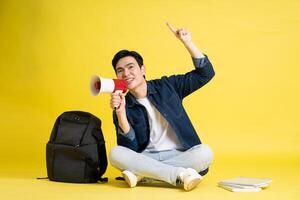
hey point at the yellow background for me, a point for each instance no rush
(249, 112)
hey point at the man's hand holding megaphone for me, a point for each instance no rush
(118, 102)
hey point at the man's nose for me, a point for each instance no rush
(125, 72)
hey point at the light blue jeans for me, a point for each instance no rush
(163, 165)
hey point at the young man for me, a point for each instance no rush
(155, 136)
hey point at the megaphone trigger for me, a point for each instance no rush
(118, 91)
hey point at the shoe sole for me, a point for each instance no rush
(127, 179)
(192, 184)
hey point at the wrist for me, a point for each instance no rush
(121, 114)
(188, 43)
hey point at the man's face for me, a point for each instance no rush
(129, 70)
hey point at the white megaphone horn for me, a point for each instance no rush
(106, 85)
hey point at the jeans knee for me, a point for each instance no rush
(114, 154)
(205, 156)
(207, 153)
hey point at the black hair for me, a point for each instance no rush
(123, 53)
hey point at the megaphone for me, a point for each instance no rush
(106, 85)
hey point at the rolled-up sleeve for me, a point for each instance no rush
(200, 62)
(130, 135)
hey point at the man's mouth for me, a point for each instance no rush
(129, 80)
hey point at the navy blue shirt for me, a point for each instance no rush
(166, 94)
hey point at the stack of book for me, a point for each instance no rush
(242, 184)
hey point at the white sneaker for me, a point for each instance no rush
(190, 178)
(130, 178)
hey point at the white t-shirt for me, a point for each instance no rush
(162, 135)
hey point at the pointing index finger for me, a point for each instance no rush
(171, 28)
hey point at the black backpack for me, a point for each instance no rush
(76, 150)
